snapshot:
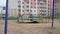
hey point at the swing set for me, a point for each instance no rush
(6, 17)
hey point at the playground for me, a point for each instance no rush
(46, 24)
(30, 28)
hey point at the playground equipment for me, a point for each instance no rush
(41, 17)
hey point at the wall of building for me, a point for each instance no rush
(57, 8)
(12, 8)
(36, 8)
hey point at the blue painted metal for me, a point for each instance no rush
(6, 18)
(32, 16)
(53, 14)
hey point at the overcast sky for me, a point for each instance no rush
(2, 2)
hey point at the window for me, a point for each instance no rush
(34, 7)
(31, 6)
(22, 10)
(4, 8)
(19, 10)
(42, 10)
(38, 3)
(27, 6)
(31, 2)
(48, 8)
(45, 11)
(43, 14)
(39, 0)
(30, 10)
(41, 4)
(19, 1)
(19, 5)
(43, 7)
(27, 10)
(44, 0)
(27, 2)
(23, 6)
(34, 10)
(22, 2)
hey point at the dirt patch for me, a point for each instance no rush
(23, 28)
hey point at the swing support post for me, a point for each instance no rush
(6, 18)
(52, 14)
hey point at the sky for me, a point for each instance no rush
(2, 2)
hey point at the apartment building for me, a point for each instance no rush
(12, 8)
(50, 7)
(57, 7)
(35, 7)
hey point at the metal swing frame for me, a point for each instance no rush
(6, 17)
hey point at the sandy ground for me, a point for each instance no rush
(23, 28)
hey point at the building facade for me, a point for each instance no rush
(35, 7)
(57, 8)
(50, 7)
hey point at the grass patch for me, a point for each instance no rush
(12, 18)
